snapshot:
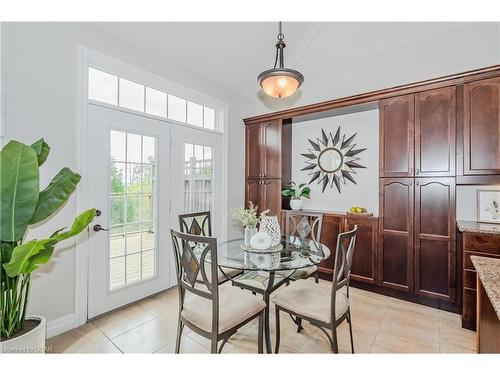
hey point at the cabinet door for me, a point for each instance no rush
(482, 127)
(435, 129)
(396, 233)
(253, 192)
(397, 118)
(254, 155)
(271, 196)
(435, 253)
(271, 143)
(332, 226)
(364, 257)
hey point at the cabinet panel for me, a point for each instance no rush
(364, 258)
(253, 192)
(397, 118)
(271, 196)
(396, 233)
(254, 155)
(271, 140)
(435, 251)
(482, 127)
(435, 129)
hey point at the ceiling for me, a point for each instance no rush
(232, 54)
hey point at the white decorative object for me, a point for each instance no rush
(271, 226)
(250, 231)
(261, 241)
(296, 204)
(488, 206)
(31, 342)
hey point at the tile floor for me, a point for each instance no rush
(381, 325)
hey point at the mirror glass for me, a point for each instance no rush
(330, 160)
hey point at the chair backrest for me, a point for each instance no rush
(293, 221)
(346, 242)
(197, 223)
(193, 254)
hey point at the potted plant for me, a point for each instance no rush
(296, 194)
(22, 205)
(249, 219)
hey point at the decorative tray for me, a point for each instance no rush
(272, 249)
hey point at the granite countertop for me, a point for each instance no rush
(475, 227)
(488, 270)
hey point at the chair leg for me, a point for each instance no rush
(213, 345)
(260, 339)
(349, 320)
(299, 325)
(180, 326)
(316, 277)
(335, 345)
(277, 347)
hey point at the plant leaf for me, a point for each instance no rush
(20, 261)
(55, 194)
(81, 222)
(19, 184)
(42, 150)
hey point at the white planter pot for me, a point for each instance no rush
(31, 342)
(296, 204)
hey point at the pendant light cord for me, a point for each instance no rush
(279, 47)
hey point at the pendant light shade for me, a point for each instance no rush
(280, 82)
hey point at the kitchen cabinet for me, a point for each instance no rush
(263, 150)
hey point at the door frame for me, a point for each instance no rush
(87, 57)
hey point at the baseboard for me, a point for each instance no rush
(61, 325)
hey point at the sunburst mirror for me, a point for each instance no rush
(333, 160)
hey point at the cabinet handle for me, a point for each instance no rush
(411, 182)
(417, 183)
(417, 171)
(410, 170)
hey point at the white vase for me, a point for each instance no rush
(296, 204)
(30, 342)
(271, 226)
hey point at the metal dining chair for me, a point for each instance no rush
(212, 311)
(325, 309)
(200, 224)
(294, 224)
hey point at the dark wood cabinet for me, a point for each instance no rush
(332, 226)
(397, 118)
(364, 263)
(265, 193)
(263, 150)
(395, 268)
(435, 250)
(435, 131)
(481, 127)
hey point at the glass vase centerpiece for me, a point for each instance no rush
(249, 218)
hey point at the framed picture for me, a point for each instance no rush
(488, 206)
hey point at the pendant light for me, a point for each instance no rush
(280, 82)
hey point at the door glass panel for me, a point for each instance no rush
(198, 178)
(132, 249)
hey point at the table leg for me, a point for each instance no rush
(267, 331)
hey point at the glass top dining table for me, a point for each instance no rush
(292, 254)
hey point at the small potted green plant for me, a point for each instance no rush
(296, 194)
(249, 218)
(22, 205)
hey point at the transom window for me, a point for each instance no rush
(112, 89)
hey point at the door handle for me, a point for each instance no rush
(98, 228)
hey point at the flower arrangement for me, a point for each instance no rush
(294, 192)
(249, 217)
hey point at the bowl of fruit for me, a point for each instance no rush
(359, 211)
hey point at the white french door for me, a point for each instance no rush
(129, 182)
(197, 175)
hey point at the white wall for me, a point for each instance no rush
(466, 197)
(40, 78)
(365, 192)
